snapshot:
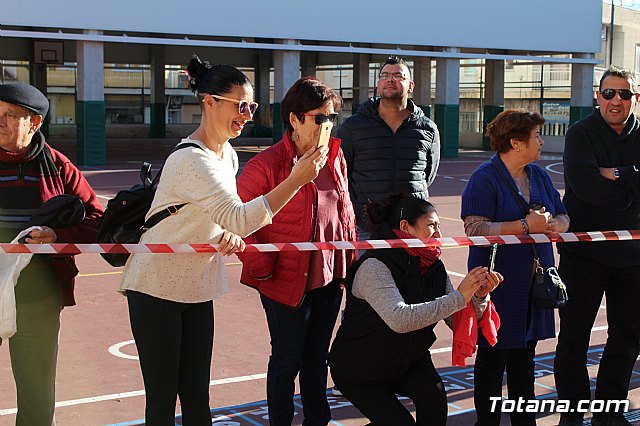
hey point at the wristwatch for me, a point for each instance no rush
(616, 173)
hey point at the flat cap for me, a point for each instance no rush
(26, 96)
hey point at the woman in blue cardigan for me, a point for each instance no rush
(493, 204)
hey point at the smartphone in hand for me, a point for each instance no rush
(325, 134)
(492, 256)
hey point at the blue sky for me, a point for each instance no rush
(634, 4)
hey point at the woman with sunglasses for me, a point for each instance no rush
(300, 290)
(171, 297)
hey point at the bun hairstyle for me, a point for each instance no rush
(205, 78)
(395, 207)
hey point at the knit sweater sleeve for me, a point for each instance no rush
(194, 176)
(479, 196)
(374, 283)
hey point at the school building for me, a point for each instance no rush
(116, 69)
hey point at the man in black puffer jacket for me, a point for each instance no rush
(389, 144)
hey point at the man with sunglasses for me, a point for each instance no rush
(389, 144)
(602, 184)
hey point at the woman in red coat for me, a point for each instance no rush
(300, 291)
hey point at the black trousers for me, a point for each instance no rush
(174, 342)
(586, 282)
(488, 374)
(379, 403)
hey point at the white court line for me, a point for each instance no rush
(132, 394)
(550, 167)
(109, 397)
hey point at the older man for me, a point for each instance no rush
(31, 172)
(602, 178)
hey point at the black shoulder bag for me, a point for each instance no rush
(547, 288)
(123, 220)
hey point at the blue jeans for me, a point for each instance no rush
(300, 341)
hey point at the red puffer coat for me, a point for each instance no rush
(282, 276)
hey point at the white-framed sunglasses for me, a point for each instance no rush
(242, 104)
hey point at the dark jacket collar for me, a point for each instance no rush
(370, 108)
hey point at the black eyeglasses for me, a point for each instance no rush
(322, 118)
(625, 94)
(392, 76)
(242, 104)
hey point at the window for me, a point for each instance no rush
(469, 121)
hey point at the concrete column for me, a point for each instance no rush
(493, 95)
(309, 60)
(360, 80)
(38, 78)
(422, 79)
(262, 119)
(90, 108)
(581, 89)
(158, 127)
(286, 70)
(447, 111)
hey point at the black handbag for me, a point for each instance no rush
(123, 220)
(547, 288)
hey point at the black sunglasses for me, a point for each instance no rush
(322, 118)
(625, 94)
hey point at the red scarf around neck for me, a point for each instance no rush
(427, 255)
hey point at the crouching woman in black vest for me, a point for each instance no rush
(395, 297)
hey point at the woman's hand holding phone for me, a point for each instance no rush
(309, 165)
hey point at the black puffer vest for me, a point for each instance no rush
(365, 347)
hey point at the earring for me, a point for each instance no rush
(294, 136)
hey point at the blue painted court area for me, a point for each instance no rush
(458, 383)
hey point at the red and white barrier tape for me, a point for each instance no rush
(64, 248)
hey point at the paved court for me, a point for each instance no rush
(99, 380)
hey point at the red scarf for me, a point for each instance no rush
(427, 255)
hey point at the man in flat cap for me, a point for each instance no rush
(32, 172)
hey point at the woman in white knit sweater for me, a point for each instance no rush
(170, 297)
